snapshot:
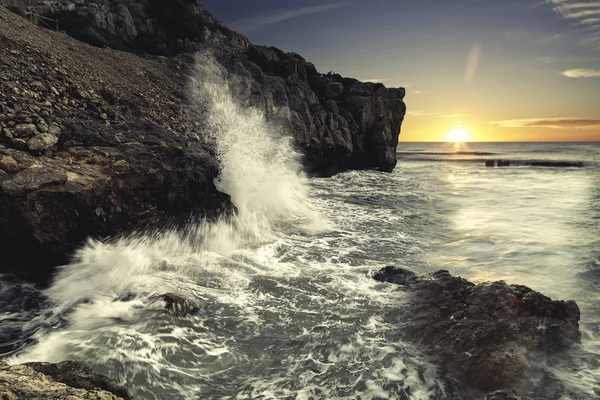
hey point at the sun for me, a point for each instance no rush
(458, 134)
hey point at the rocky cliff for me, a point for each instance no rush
(97, 133)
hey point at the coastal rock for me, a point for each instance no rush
(132, 152)
(488, 335)
(66, 380)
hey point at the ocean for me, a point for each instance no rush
(287, 307)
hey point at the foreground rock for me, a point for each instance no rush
(490, 335)
(66, 380)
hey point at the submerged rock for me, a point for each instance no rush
(65, 380)
(489, 335)
(177, 304)
(490, 163)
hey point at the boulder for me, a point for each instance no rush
(42, 142)
(503, 163)
(490, 163)
(487, 335)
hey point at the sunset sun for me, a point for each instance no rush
(458, 134)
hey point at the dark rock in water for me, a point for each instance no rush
(556, 164)
(490, 163)
(47, 381)
(487, 335)
(503, 163)
(177, 305)
(391, 274)
(503, 395)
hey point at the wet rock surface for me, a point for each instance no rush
(66, 380)
(489, 336)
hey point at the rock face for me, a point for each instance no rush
(66, 380)
(338, 123)
(488, 335)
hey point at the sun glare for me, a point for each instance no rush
(458, 134)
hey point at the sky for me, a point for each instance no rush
(503, 70)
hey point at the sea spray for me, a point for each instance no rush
(259, 169)
(286, 309)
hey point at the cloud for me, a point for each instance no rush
(582, 73)
(261, 21)
(417, 92)
(555, 123)
(585, 13)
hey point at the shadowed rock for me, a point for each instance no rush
(488, 335)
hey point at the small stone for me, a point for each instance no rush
(7, 133)
(42, 142)
(42, 127)
(55, 91)
(103, 116)
(24, 130)
(9, 164)
(19, 144)
(54, 129)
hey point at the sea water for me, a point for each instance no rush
(287, 306)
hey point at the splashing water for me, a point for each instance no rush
(276, 319)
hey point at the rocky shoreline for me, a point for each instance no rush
(97, 141)
(100, 137)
